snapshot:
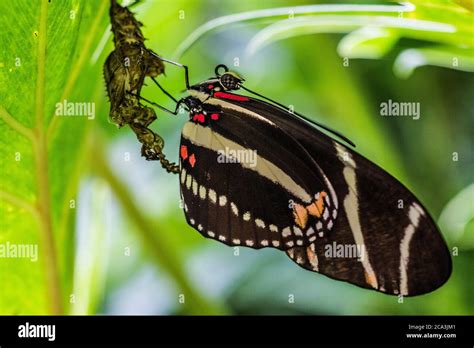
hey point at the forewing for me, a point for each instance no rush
(246, 182)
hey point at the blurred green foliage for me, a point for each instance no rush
(114, 220)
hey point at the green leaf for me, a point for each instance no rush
(368, 43)
(282, 12)
(446, 57)
(372, 30)
(41, 59)
(306, 25)
(457, 219)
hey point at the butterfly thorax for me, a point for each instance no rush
(202, 113)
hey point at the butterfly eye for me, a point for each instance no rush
(230, 81)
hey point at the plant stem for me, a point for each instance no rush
(41, 157)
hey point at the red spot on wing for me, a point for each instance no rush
(192, 160)
(210, 86)
(215, 117)
(230, 96)
(199, 117)
(184, 152)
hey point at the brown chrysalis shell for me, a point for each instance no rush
(125, 70)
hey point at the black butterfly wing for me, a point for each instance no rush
(246, 182)
(383, 238)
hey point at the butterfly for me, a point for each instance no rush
(255, 174)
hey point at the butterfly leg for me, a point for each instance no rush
(186, 70)
(164, 91)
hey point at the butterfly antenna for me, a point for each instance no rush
(332, 131)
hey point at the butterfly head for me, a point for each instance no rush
(230, 81)
(224, 80)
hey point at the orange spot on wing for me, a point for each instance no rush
(300, 215)
(371, 279)
(316, 208)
